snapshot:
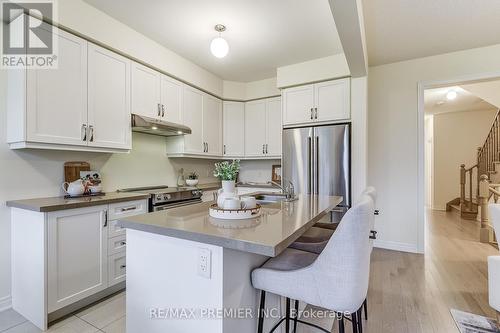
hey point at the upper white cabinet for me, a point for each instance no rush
(234, 129)
(212, 125)
(319, 102)
(84, 104)
(156, 95)
(77, 255)
(203, 114)
(56, 99)
(108, 99)
(146, 91)
(263, 128)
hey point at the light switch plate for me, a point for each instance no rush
(204, 263)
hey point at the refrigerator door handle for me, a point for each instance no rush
(316, 176)
(310, 165)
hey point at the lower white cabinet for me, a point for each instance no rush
(77, 251)
(67, 256)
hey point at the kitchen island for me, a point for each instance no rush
(188, 272)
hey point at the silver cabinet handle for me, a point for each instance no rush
(224, 150)
(105, 219)
(267, 146)
(163, 110)
(84, 132)
(263, 149)
(127, 209)
(311, 113)
(315, 113)
(159, 109)
(91, 129)
(123, 266)
(123, 243)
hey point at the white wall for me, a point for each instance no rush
(456, 138)
(327, 68)
(245, 91)
(393, 127)
(429, 160)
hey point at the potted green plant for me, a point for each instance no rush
(227, 173)
(192, 179)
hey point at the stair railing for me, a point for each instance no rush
(466, 174)
(489, 153)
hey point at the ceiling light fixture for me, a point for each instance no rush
(219, 46)
(451, 95)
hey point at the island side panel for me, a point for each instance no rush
(29, 275)
(162, 274)
(240, 294)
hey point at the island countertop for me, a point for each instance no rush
(280, 224)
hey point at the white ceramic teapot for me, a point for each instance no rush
(75, 188)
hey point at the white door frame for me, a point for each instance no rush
(422, 86)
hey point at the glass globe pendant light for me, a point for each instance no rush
(219, 46)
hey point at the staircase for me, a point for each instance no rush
(477, 192)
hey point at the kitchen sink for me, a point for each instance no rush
(267, 198)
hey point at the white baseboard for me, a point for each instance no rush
(5, 303)
(395, 246)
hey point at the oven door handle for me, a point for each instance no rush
(175, 205)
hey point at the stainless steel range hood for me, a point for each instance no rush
(157, 127)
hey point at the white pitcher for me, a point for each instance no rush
(75, 188)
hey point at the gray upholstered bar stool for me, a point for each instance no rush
(337, 279)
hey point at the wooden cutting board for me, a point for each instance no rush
(72, 170)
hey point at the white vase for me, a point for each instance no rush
(228, 190)
(228, 186)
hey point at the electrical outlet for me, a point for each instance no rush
(204, 263)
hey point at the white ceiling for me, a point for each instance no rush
(435, 101)
(262, 34)
(406, 29)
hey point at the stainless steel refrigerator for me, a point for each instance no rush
(318, 160)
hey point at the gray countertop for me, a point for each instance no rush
(60, 203)
(279, 225)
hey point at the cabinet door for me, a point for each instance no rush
(234, 129)
(332, 100)
(273, 127)
(171, 98)
(57, 99)
(108, 99)
(255, 128)
(212, 125)
(145, 91)
(298, 103)
(77, 255)
(192, 104)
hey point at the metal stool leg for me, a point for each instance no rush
(360, 320)
(341, 324)
(365, 306)
(287, 316)
(354, 322)
(261, 311)
(296, 316)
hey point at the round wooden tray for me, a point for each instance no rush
(234, 214)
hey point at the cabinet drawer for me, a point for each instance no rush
(115, 230)
(117, 245)
(117, 264)
(125, 209)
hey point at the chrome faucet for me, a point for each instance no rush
(288, 190)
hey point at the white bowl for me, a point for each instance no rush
(95, 189)
(191, 182)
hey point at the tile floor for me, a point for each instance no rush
(107, 316)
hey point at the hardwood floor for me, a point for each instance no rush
(414, 293)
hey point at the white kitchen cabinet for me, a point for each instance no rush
(208, 196)
(234, 129)
(146, 85)
(67, 259)
(273, 127)
(77, 255)
(171, 99)
(193, 118)
(56, 100)
(263, 128)
(317, 103)
(212, 125)
(108, 99)
(255, 128)
(82, 105)
(203, 114)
